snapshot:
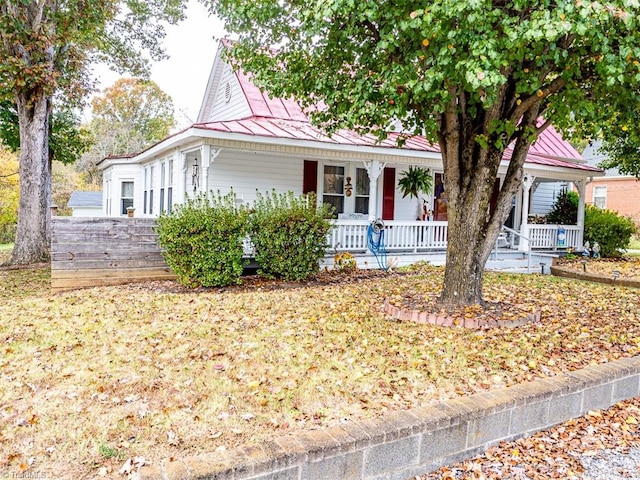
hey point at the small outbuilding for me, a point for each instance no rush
(86, 204)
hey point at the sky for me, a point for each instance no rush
(191, 46)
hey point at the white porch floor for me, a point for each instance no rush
(506, 260)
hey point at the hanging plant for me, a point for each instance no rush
(415, 180)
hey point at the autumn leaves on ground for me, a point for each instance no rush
(91, 378)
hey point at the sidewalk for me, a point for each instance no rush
(602, 445)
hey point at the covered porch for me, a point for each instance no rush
(525, 230)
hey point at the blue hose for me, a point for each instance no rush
(376, 245)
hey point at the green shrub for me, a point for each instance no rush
(289, 234)
(565, 209)
(203, 239)
(612, 231)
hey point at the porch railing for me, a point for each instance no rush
(546, 236)
(352, 235)
(416, 236)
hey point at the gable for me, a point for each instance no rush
(223, 98)
(228, 101)
(231, 95)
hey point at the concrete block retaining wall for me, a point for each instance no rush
(567, 272)
(413, 442)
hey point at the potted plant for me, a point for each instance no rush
(415, 180)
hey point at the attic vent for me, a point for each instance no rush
(227, 92)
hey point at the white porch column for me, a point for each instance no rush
(581, 186)
(374, 169)
(205, 155)
(181, 167)
(527, 182)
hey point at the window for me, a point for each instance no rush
(146, 187)
(151, 189)
(334, 187)
(600, 196)
(162, 180)
(362, 191)
(170, 187)
(126, 197)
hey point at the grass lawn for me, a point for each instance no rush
(93, 377)
(5, 251)
(635, 243)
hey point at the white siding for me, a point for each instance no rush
(112, 183)
(86, 212)
(227, 107)
(544, 196)
(408, 208)
(248, 172)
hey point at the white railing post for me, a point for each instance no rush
(527, 182)
(581, 186)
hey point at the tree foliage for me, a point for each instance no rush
(621, 139)
(564, 210)
(47, 48)
(127, 117)
(9, 187)
(474, 76)
(134, 113)
(68, 139)
(50, 45)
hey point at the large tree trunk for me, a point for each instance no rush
(32, 243)
(472, 152)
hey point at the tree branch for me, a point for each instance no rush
(543, 127)
(555, 86)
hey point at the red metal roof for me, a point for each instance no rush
(278, 118)
(551, 144)
(545, 151)
(262, 105)
(303, 130)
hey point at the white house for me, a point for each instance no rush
(247, 141)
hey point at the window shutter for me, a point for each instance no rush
(310, 177)
(388, 193)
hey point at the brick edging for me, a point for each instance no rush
(419, 316)
(560, 271)
(403, 444)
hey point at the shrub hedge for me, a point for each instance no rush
(612, 231)
(203, 240)
(289, 234)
